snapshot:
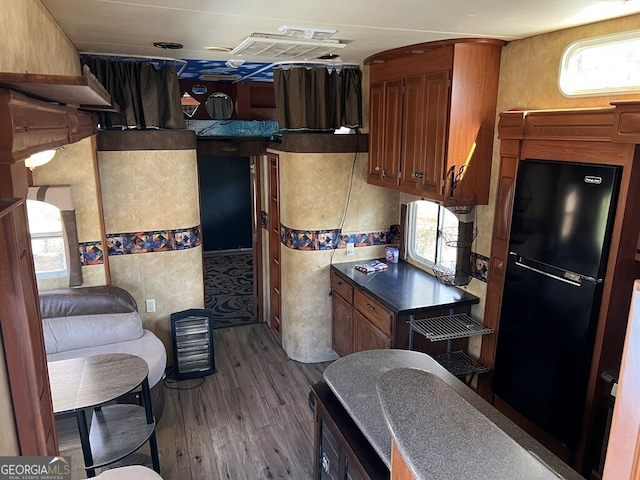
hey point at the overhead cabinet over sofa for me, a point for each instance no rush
(432, 117)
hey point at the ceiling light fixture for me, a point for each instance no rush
(39, 159)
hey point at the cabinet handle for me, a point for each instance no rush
(371, 307)
(413, 174)
(419, 175)
(384, 173)
(339, 283)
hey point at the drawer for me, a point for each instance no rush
(373, 311)
(342, 288)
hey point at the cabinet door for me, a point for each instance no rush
(426, 100)
(366, 336)
(342, 326)
(385, 132)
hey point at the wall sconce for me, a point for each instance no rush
(39, 159)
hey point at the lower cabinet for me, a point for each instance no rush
(342, 328)
(358, 321)
(341, 452)
(366, 336)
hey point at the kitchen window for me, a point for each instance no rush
(424, 242)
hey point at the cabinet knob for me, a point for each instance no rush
(371, 307)
(339, 283)
(413, 174)
(377, 169)
(384, 173)
(419, 175)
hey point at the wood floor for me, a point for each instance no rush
(250, 420)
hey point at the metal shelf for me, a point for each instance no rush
(448, 327)
(460, 364)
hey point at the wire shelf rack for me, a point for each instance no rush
(460, 364)
(448, 327)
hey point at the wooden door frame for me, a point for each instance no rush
(256, 235)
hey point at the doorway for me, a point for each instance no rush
(229, 213)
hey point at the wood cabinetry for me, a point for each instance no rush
(340, 449)
(358, 322)
(20, 320)
(275, 304)
(432, 107)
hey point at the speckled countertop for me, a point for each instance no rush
(405, 289)
(357, 378)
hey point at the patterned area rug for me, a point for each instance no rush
(228, 289)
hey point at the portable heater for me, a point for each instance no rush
(192, 343)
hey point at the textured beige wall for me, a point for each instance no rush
(313, 195)
(149, 190)
(33, 42)
(314, 188)
(76, 165)
(146, 191)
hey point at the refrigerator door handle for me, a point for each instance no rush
(546, 274)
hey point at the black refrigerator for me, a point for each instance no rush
(560, 236)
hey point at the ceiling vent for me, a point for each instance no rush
(285, 47)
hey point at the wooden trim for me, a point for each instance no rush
(399, 468)
(414, 50)
(103, 228)
(85, 91)
(232, 147)
(22, 337)
(132, 140)
(321, 143)
(623, 452)
(256, 227)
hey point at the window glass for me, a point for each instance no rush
(601, 65)
(47, 241)
(424, 242)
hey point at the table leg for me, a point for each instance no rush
(148, 407)
(84, 440)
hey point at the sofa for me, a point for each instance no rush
(85, 321)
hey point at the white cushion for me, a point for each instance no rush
(134, 472)
(80, 331)
(148, 346)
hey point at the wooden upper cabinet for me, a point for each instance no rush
(443, 119)
(386, 121)
(426, 101)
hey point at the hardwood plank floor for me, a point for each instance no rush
(250, 420)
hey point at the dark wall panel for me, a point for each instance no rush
(225, 202)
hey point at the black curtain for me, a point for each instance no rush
(317, 98)
(148, 98)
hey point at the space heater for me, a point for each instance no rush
(192, 333)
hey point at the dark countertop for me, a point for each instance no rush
(382, 403)
(405, 289)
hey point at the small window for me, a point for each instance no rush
(47, 240)
(601, 66)
(424, 243)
